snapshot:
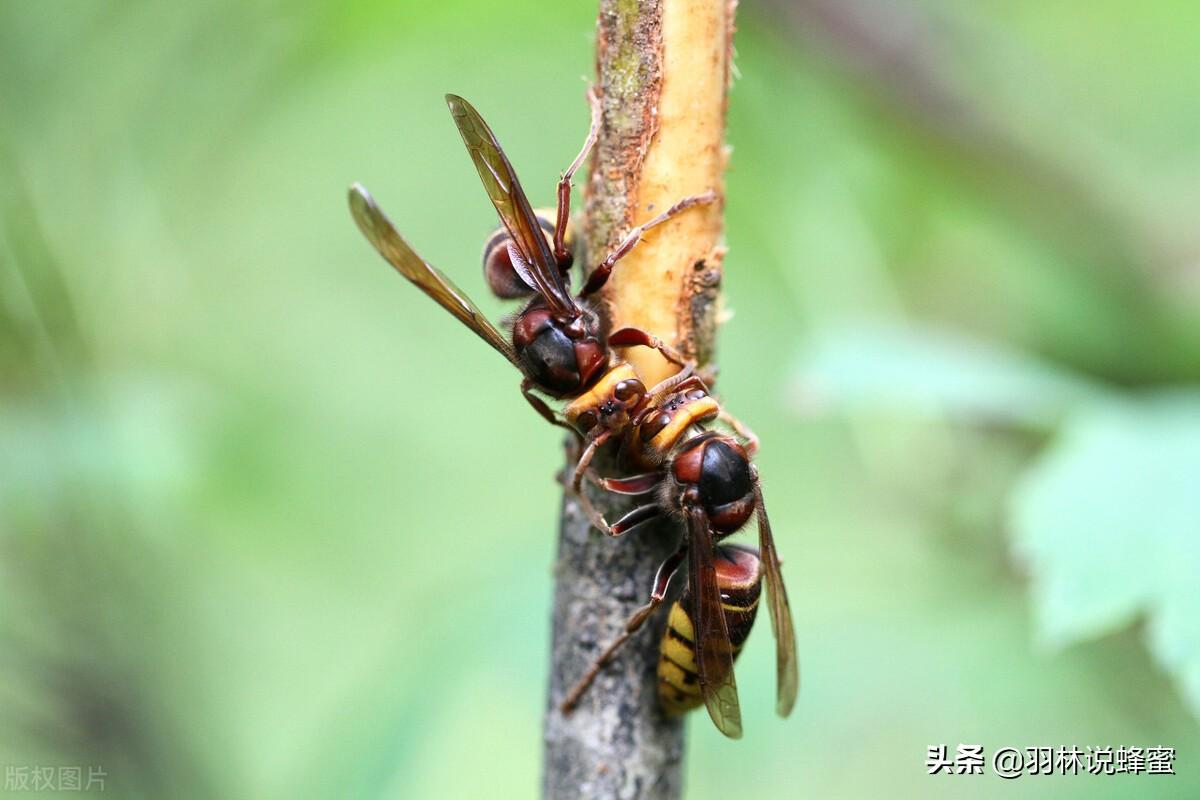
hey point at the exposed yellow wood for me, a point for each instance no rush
(653, 287)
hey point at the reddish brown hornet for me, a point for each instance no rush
(704, 478)
(555, 338)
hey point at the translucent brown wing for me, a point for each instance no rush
(714, 654)
(536, 265)
(787, 672)
(383, 236)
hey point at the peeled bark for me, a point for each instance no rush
(662, 75)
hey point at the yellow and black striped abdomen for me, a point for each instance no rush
(740, 581)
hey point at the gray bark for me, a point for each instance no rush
(618, 743)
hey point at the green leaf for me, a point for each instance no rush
(1108, 522)
(922, 369)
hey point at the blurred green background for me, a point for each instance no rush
(273, 526)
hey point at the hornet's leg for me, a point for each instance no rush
(679, 382)
(633, 485)
(539, 405)
(662, 580)
(600, 275)
(634, 518)
(689, 376)
(563, 215)
(636, 337)
(576, 487)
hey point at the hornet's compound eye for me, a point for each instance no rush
(586, 421)
(652, 426)
(631, 389)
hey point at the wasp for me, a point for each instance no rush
(555, 339)
(704, 478)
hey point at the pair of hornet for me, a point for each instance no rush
(702, 477)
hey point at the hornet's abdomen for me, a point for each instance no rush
(498, 270)
(740, 581)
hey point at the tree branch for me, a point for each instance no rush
(663, 71)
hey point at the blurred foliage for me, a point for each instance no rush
(1105, 519)
(271, 526)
